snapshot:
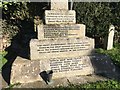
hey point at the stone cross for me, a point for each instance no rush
(59, 4)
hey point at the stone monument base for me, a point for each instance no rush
(58, 48)
(25, 71)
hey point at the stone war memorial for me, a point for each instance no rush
(60, 50)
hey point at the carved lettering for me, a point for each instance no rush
(53, 48)
(61, 65)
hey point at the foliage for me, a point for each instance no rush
(116, 14)
(2, 59)
(98, 16)
(15, 10)
(113, 53)
(12, 13)
(9, 30)
(18, 16)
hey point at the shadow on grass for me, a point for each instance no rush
(19, 47)
(104, 66)
(20, 43)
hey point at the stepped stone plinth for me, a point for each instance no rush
(61, 46)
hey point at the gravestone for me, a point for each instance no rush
(61, 47)
(109, 39)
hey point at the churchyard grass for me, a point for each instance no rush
(109, 84)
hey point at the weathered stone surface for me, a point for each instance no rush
(59, 4)
(67, 47)
(40, 34)
(24, 71)
(67, 67)
(60, 17)
(61, 31)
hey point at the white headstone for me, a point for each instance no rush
(109, 42)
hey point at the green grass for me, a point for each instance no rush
(102, 84)
(110, 84)
(2, 59)
(113, 53)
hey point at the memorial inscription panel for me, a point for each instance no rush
(60, 17)
(61, 31)
(67, 64)
(63, 47)
(67, 47)
(56, 31)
